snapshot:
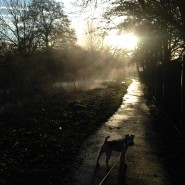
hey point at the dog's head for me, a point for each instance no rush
(129, 139)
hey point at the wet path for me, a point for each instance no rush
(144, 167)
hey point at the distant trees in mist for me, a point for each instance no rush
(38, 48)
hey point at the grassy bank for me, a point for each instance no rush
(39, 139)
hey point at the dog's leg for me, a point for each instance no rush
(108, 155)
(122, 158)
(99, 156)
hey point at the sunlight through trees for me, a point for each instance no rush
(159, 26)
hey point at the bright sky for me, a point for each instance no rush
(79, 19)
(128, 41)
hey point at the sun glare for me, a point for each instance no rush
(125, 41)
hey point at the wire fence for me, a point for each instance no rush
(166, 83)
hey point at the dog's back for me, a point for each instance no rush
(116, 145)
(119, 145)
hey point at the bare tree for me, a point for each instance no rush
(94, 37)
(53, 24)
(18, 25)
(29, 25)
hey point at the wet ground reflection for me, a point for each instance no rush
(131, 118)
(125, 112)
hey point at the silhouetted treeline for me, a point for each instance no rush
(27, 75)
(159, 25)
(38, 48)
(28, 26)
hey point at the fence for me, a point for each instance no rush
(166, 83)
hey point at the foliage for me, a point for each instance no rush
(30, 25)
(23, 77)
(158, 24)
(37, 50)
(40, 139)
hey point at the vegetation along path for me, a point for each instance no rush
(40, 138)
(143, 164)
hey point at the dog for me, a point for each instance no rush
(115, 145)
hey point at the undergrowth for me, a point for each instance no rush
(39, 138)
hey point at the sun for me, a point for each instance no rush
(125, 41)
(128, 41)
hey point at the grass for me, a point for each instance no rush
(39, 138)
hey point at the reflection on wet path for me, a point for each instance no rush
(130, 100)
(143, 166)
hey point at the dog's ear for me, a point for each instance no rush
(132, 135)
(126, 136)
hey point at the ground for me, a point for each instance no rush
(40, 136)
(40, 139)
(157, 156)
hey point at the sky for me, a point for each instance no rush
(76, 16)
(79, 17)
(79, 20)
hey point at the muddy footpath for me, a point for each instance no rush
(157, 158)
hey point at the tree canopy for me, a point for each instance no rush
(30, 25)
(159, 24)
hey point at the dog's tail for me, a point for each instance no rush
(106, 139)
